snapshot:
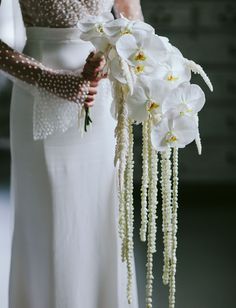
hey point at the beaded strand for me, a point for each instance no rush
(129, 212)
(152, 215)
(145, 181)
(172, 287)
(166, 212)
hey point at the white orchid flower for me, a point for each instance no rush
(122, 26)
(177, 132)
(121, 71)
(93, 30)
(169, 47)
(141, 53)
(94, 25)
(186, 100)
(173, 71)
(147, 100)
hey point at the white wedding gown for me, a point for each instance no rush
(66, 251)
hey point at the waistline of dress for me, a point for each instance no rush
(52, 34)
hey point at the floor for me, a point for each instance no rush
(206, 257)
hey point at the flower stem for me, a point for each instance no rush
(87, 119)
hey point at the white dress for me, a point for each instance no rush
(66, 251)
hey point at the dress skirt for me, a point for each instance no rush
(66, 251)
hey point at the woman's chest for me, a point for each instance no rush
(61, 13)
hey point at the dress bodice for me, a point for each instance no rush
(61, 13)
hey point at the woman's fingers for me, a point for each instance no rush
(90, 74)
(93, 72)
(90, 98)
(93, 67)
(92, 91)
(94, 83)
(95, 62)
(95, 58)
(100, 77)
(88, 105)
(90, 56)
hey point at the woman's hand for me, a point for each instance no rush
(89, 102)
(93, 72)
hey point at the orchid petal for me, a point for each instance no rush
(126, 46)
(137, 105)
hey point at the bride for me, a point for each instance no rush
(65, 245)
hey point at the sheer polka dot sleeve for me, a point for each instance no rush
(58, 94)
(131, 9)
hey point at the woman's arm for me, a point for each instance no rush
(64, 84)
(131, 9)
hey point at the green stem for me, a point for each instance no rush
(87, 120)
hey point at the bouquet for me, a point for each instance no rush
(151, 86)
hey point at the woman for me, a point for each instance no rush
(65, 247)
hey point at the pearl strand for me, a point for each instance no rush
(152, 208)
(172, 287)
(124, 244)
(144, 186)
(130, 212)
(121, 135)
(166, 212)
(152, 192)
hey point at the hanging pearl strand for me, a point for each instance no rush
(125, 222)
(152, 192)
(166, 212)
(144, 186)
(152, 215)
(122, 140)
(121, 135)
(129, 213)
(172, 287)
(149, 275)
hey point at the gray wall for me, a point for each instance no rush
(205, 32)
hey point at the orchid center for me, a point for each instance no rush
(152, 105)
(171, 77)
(125, 30)
(100, 28)
(139, 69)
(140, 56)
(185, 109)
(170, 137)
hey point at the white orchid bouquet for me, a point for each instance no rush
(151, 86)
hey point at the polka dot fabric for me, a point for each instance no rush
(61, 13)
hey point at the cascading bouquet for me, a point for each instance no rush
(151, 85)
